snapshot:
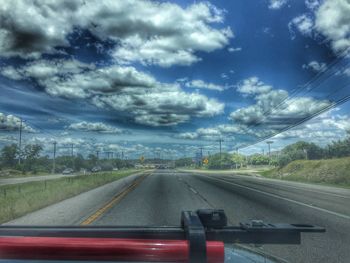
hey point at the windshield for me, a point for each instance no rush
(130, 112)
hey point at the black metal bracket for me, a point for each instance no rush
(197, 227)
(195, 234)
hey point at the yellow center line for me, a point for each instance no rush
(112, 202)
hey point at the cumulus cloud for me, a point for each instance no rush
(330, 18)
(315, 66)
(119, 88)
(252, 86)
(30, 29)
(312, 4)
(12, 123)
(94, 127)
(200, 84)
(277, 4)
(333, 21)
(218, 131)
(303, 23)
(234, 49)
(324, 128)
(273, 107)
(164, 34)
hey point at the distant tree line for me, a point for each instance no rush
(300, 150)
(33, 161)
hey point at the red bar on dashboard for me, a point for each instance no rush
(103, 249)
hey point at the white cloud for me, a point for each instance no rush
(120, 88)
(224, 76)
(12, 123)
(324, 128)
(200, 84)
(94, 127)
(216, 132)
(333, 21)
(330, 18)
(11, 73)
(234, 49)
(188, 135)
(252, 86)
(277, 4)
(303, 24)
(29, 29)
(273, 107)
(312, 4)
(346, 71)
(315, 66)
(150, 32)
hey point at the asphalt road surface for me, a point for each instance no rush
(159, 198)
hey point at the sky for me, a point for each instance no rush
(142, 77)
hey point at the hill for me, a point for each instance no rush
(326, 171)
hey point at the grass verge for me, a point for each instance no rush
(11, 173)
(19, 199)
(332, 172)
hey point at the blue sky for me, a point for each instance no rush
(147, 76)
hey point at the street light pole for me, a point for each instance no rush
(269, 145)
(20, 141)
(54, 158)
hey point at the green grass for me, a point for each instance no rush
(20, 199)
(11, 173)
(334, 172)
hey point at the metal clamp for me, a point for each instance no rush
(195, 234)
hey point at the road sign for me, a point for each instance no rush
(206, 161)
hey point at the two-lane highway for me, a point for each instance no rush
(159, 198)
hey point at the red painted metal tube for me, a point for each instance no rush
(103, 249)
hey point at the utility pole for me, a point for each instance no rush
(201, 156)
(54, 158)
(72, 149)
(72, 155)
(220, 141)
(269, 144)
(109, 154)
(306, 155)
(20, 141)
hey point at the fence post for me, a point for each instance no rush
(45, 184)
(5, 192)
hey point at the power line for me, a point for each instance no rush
(292, 97)
(337, 103)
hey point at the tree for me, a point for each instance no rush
(8, 155)
(79, 162)
(238, 159)
(92, 159)
(183, 162)
(340, 148)
(259, 159)
(304, 150)
(31, 155)
(223, 161)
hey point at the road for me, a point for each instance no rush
(20, 180)
(159, 198)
